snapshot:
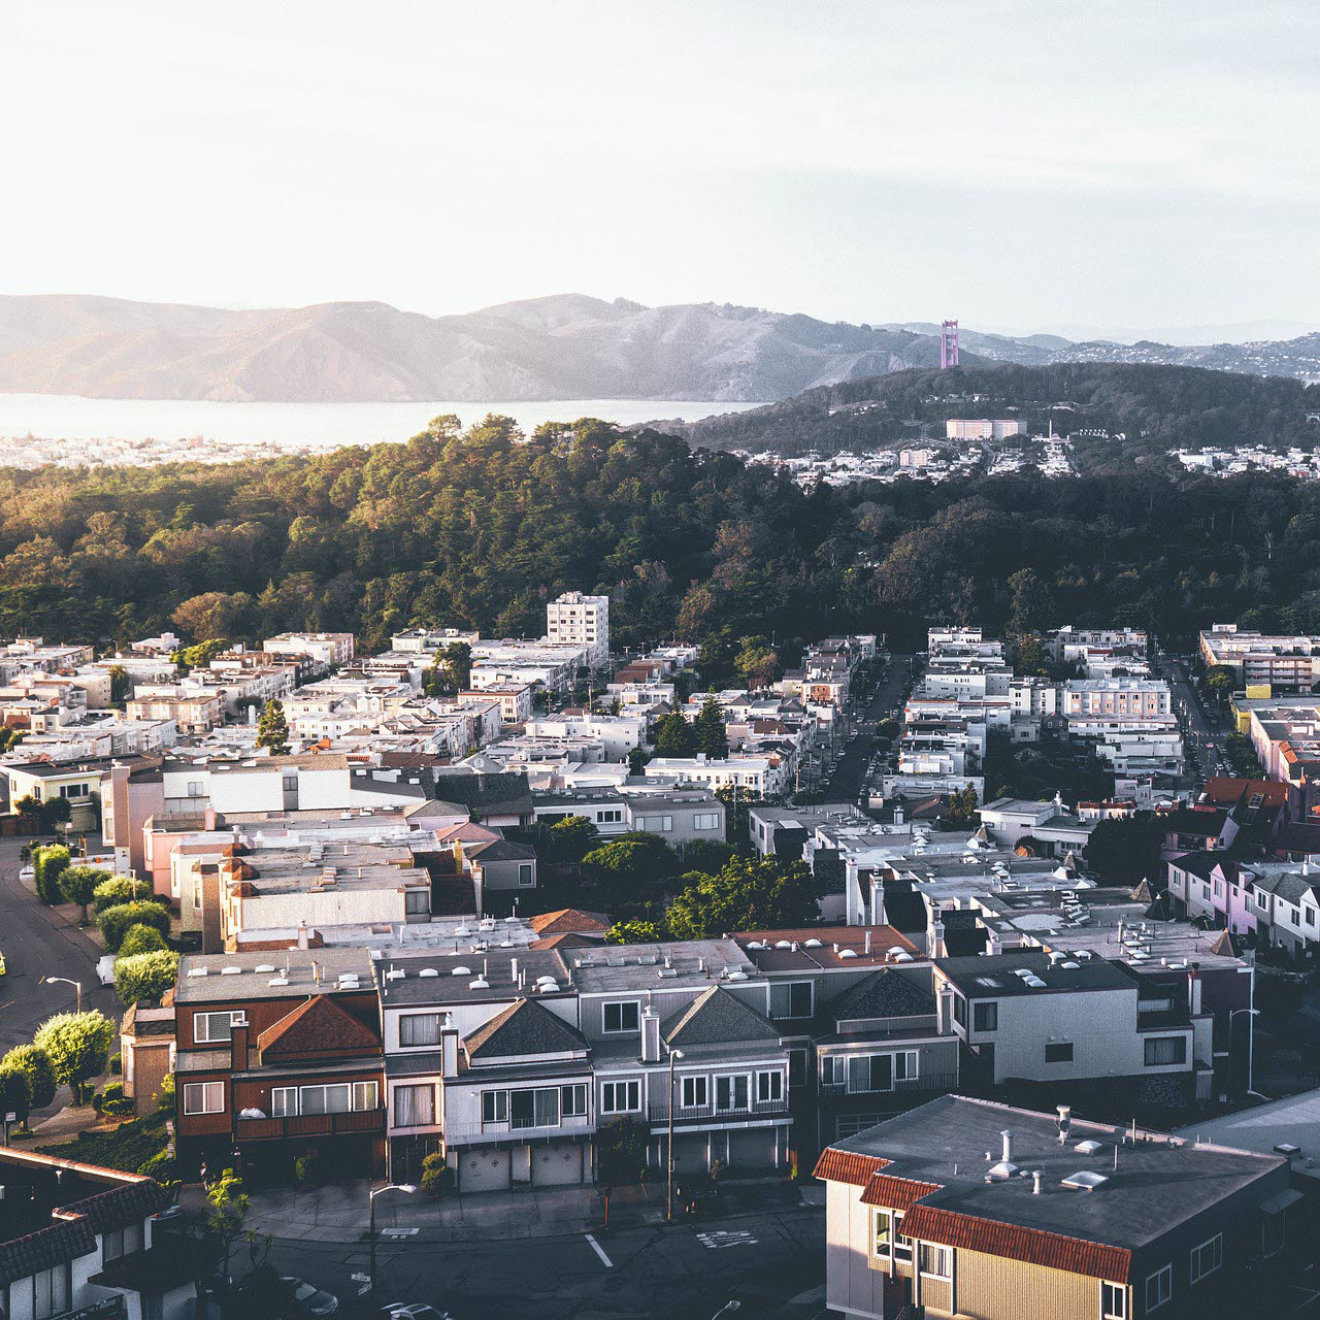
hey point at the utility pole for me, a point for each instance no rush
(669, 1189)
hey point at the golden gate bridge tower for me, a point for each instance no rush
(949, 344)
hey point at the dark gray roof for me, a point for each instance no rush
(484, 793)
(884, 994)
(1291, 886)
(996, 977)
(524, 1028)
(716, 1018)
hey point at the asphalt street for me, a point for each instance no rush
(684, 1272)
(846, 781)
(1204, 729)
(36, 942)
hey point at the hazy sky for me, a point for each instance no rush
(1027, 165)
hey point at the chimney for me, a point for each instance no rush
(1007, 1135)
(879, 917)
(868, 942)
(1194, 990)
(944, 1009)
(650, 1036)
(302, 935)
(316, 971)
(898, 813)
(208, 818)
(1036, 1176)
(238, 1047)
(513, 971)
(448, 1051)
(852, 896)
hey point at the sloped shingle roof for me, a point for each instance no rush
(523, 1028)
(317, 1026)
(884, 994)
(716, 1018)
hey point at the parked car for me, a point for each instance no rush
(410, 1311)
(311, 1300)
(28, 874)
(105, 968)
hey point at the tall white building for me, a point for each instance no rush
(981, 428)
(578, 620)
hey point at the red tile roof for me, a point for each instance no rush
(848, 1167)
(1033, 1246)
(571, 919)
(317, 1026)
(895, 1193)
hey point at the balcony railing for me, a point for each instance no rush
(927, 1081)
(309, 1125)
(108, 1308)
(461, 1133)
(659, 1113)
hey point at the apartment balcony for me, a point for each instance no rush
(929, 1082)
(310, 1125)
(727, 1115)
(472, 1134)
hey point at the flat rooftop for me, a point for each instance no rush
(1270, 1129)
(283, 974)
(997, 976)
(1159, 1182)
(813, 948)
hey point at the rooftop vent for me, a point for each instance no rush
(265, 967)
(278, 980)
(460, 971)
(199, 971)
(1088, 1147)
(847, 953)
(1002, 1171)
(1085, 1180)
(230, 971)
(479, 984)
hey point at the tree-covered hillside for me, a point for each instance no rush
(482, 528)
(1155, 407)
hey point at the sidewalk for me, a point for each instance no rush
(339, 1213)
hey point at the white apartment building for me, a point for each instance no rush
(981, 428)
(325, 648)
(578, 620)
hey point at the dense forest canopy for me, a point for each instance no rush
(482, 528)
(1156, 408)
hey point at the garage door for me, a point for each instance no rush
(752, 1150)
(689, 1153)
(556, 1166)
(483, 1171)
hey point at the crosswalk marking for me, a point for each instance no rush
(720, 1238)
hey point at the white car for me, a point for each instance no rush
(28, 874)
(105, 969)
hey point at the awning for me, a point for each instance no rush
(1276, 1205)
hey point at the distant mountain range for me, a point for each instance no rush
(563, 347)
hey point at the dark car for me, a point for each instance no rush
(311, 1300)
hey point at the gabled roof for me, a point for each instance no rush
(574, 920)
(524, 1028)
(500, 850)
(485, 792)
(884, 994)
(716, 1018)
(317, 1026)
(1293, 886)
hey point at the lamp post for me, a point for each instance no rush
(371, 1200)
(674, 1055)
(64, 980)
(1252, 1013)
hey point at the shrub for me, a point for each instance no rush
(310, 1168)
(116, 890)
(163, 1167)
(15, 1092)
(437, 1176)
(110, 1099)
(165, 1096)
(142, 939)
(116, 921)
(47, 865)
(78, 885)
(34, 1063)
(78, 1046)
(145, 975)
(116, 1064)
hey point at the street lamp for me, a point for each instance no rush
(1252, 1013)
(64, 980)
(669, 1193)
(371, 1199)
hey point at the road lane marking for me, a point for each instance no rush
(600, 1251)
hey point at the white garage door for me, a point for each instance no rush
(483, 1171)
(556, 1166)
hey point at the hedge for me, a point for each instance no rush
(141, 939)
(116, 890)
(116, 921)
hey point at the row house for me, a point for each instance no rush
(277, 1056)
(326, 649)
(1215, 888)
(190, 708)
(680, 816)
(1289, 663)
(967, 1208)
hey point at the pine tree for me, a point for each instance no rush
(712, 737)
(273, 729)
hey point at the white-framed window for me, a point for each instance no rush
(494, 1107)
(416, 902)
(731, 1092)
(882, 1237)
(934, 1261)
(284, 1102)
(695, 1092)
(791, 999)
(620, 1097)
(1208, 1257)
(116, 1242)
(212, 1028)
(706, 820)
(338, 1098)
(833, 1069)
(769, 1086)
(414, 1106)
(573, 1100)
(655, 824)
(620, 1015)
(870, 1072)
(73, 790)
(1160, 1051)
(419, 1029)
(1113, 1301)
(50, 1291)
(1159, 1287)
(526, 874)
(204, 1098)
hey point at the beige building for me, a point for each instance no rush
(968, 1208)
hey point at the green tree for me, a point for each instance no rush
(634, 932)
(227, 1209)
(757, 661)
(118, 889)
(145, 976)
(1033, 603)
(273, 728)
(115, 922)
(78, 1046)
(141, 939)
(762, 893)
(572, 838)
(738, 802)
(637, 761)
(712, 736)
(1220, 680)
(630, 873)
(47, 866)
(1126, 851)
(674, 736)
(34, 1063)
(15, 1092)
(121, 685)
(78, 885)
(962, 807)
(456, 659)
